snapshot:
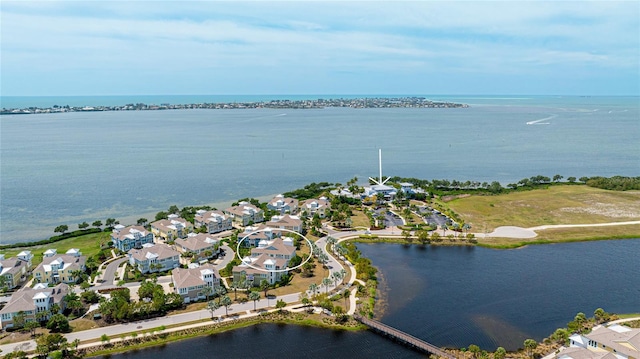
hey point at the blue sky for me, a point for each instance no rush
(329, 47)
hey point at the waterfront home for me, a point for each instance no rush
(214, 221)
(245, 214)
(201, 245)
(614, 342)
(292, 223)
(32, 301)
(13, 271)
(126, 238)
(381, 191)
(190, 282)
(154, 258)
(171, 228)
(282, 204)
(60, 268)
(252, 235)
(268, 261)
(315, 206)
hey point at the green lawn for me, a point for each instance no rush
(555, 205)
(89, 244)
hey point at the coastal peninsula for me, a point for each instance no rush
(396, 211)
(365, 102)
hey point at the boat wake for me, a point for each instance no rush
(539, 122)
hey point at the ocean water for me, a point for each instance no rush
(73, 167)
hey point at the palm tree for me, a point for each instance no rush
(336, 276)
(530, 345)
(444, 229)
(254, 296)
(346, 294)
(326, 283)
(466, 227)
(343, 273)
(207, 291)
(331, 242)
(212, 306)
(264, 285)
(313, 288)
(226, 302)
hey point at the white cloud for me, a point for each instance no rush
(480, 37)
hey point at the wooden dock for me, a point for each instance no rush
(403, 337)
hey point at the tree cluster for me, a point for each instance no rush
(153, 302)
(312, 190)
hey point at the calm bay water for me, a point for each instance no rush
(74, 167)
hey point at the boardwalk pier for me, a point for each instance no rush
(403, 337)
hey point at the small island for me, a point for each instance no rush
(365, 102)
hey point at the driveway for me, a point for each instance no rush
(109, 273)
(226, 257)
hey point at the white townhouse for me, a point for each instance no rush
(15, 269)
(292, 223)
(245, 213)
(190, 282)
(254, 234)
(60, 268)
(126, 238)
(31, 301)
(269, 261)
(171, 228)
(214, 221)
(154, 258)
(315, 206)
(202, 245)
(282, 204)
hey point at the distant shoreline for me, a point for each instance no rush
(364, 102)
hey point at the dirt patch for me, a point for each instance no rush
(452, 197)
(605, 209)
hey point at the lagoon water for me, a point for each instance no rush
(73, 167)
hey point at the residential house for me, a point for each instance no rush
(126, 238)
(31, 301)
(190, 283)
(282, 204)
(60, 268)
(613, 342)
(254, 234)
(13, 271)
(171, 228)
(154, 258)
(202, 245)
(245, 214)
(315, 206)
(292, 223)
(269, 261)
(214, 221)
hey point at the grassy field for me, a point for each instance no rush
(555, 205)
(89, 244)
(359, 219)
